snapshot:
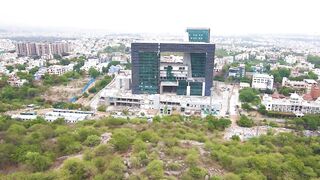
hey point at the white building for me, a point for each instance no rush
(295, 104)
(70, 116)
(261, 57)
(41, 72)
(25, 116)
(244, 85)
(220, 62)
(59, 69)
(6, 45)
(293, 84)
(164, 103)
(36, 63)
(243, 56)
(90, 63)
(305, 84)
(262, 81)
(304, 65)
(8, 56)
(123, 81)
(290, 59)
(15, 81)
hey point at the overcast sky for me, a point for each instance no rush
(165, 16)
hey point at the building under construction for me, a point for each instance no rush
(183, 68)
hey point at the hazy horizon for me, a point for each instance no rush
(228, 17)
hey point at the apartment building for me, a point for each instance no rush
(305, 84)
(15, 81)
(42, 49)
(262, 81)
(59, 69)
(295, 104)
(237, 72)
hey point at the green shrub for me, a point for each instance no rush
(92, 140)
(155, 170)
(245, 121)
(102, 108)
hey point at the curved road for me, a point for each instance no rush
(95, 100)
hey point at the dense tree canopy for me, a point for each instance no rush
(286, 91)
(314, 60)
(310, 122)
(191, 146)
(93, 72)
(100, 84)
(121, 48)
(279, 73)
(310, 75)
(270, 157)
(15, 97)
(220, 124)
(57, 80)
(249, 95)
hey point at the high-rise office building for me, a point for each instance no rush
(190, 72)
(199, 35)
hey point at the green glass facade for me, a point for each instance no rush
(182, 87)
(195, 88)
(198, 64)
(199, 58)
(199, 35)
(149, 72)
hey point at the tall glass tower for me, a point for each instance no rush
(192, 76)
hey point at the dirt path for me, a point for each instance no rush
(65, 93)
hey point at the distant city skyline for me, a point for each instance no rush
(228, 17)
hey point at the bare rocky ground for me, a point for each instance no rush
(212, 167)
(206, 162)
(65, 93)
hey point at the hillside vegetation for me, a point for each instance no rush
(171, 147)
